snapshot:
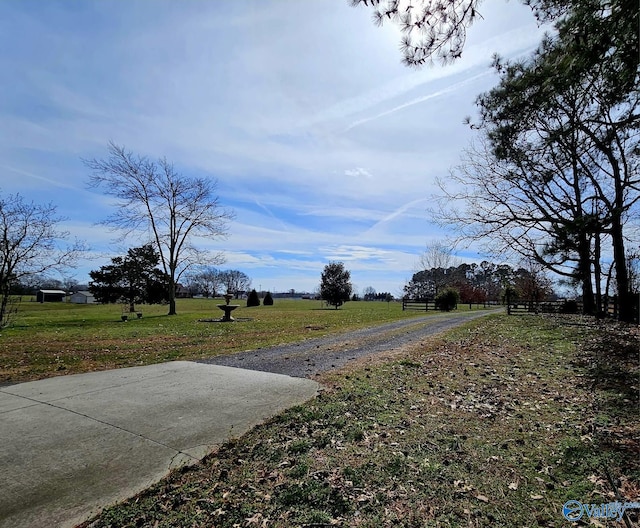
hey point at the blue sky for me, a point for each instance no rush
(324, 145)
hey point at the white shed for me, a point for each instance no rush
(83, 297)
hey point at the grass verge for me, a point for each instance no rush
(497, 423)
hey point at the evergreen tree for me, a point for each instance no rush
(335, 285)
(132, 279)
(253, 299)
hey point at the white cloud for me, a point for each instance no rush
(358, 172)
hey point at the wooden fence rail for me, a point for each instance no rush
(564, 306)
(425, 306)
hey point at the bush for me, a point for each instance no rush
(569, 307)
(268, 300)
(253, 299)
(447, 299)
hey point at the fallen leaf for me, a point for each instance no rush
(255, 519)
(482, 498)
(513, 486)
(537, 497)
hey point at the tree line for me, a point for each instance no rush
(209, 281)
(480, 283)
(370, 294)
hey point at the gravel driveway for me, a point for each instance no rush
(314, 356)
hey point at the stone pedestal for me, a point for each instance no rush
(227, 309)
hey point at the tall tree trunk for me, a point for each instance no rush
(597, 271)
(4, 303)
(584, 250)
(625, 300)
(172, 296)
(625, 309)
(607, 289)
(616, 156)
(584, 242)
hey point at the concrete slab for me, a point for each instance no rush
(71, 445)
(8, 402)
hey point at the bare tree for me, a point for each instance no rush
(439, 254)
(70, 284)
(369, 293)
(532, 283)
(169, 207)
(30, 245)
(235, 281)
(436, 261)
(206, 280)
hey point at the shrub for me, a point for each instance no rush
(253, 299)
(268, 300)
(447, 299)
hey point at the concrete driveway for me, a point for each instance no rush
(69, 446)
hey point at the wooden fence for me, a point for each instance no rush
(524, 307)
(425, 306)
(564, 306)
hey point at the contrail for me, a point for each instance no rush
(418, 100)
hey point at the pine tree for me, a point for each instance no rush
(335, 285)
(253, 299)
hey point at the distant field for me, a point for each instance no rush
(60, 338)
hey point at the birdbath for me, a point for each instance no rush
(227, 308)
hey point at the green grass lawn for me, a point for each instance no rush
(495, 424)
(60, 338)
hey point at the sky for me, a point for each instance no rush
(324, 145)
